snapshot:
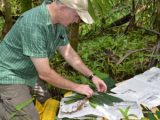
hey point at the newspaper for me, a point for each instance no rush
(109, 112)
(150, 77)
(70, 110)
(142, 88)
(115, 112)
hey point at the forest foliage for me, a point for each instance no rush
(123, 41)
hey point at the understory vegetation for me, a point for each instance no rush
(118, 55)
(124, 40)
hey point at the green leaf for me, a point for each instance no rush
(109, 81)
(127, 110)
(125, 113)
(20, 106)
(106, 4)
(24, 104)
(104, 9)
(151, 116)
(97, 7)
(122, 112)
(96, 100)
(74, 98)
(71, 101)
(92, 104)
(101, 100)
(111, 98)
(158, 114)
(84, 80)
(91, 10)
(104, 98)
(133, 115)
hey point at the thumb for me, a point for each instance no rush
(98, 87)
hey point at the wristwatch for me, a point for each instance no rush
(91, 76)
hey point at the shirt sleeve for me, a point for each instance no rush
(33, 41)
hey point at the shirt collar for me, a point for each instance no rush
(46, 13)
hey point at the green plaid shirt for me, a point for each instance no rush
(33, 35)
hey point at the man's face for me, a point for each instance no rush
(68, 16)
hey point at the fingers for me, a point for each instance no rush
(89, 93)
(98, 88)
(85, 90)
(103, 89)
(101, 86)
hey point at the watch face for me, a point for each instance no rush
(91, 76)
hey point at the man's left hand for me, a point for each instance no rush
(101, 86)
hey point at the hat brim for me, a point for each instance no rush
(85, 16)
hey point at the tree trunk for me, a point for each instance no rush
(6, 8)
(131, 25)
(74, 35)
(154, 61)
(26, 5)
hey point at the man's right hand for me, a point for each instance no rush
(84, 89)
(49, 75)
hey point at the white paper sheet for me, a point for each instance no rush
(150, 77)
(110, 112)
(87, 110)
(142, 88)
(115, 112)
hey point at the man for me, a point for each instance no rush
(25, 53)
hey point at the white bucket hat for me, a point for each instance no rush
(81, 6)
